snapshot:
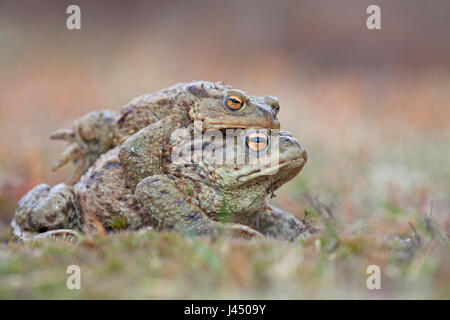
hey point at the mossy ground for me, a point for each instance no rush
(158, 265)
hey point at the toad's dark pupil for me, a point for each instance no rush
(234, 102)
(258, 140)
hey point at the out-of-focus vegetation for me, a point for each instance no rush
(168, 265)
(372, 108)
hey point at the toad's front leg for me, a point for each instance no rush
(275, 223)
(174, 210)
(143, 154)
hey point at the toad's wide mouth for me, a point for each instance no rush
(256, 172)
(240, 125)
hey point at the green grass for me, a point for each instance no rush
(169, 265)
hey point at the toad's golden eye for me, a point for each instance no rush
(234, 102)
(257, 142)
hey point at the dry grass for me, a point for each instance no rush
(167, 265)
(378, 144)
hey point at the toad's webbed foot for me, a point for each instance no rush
(278, 224)
(174, 210)
(236, 230)
(44, 209)
(91, 136)
(23, 236)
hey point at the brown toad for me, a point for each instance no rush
(203, 197)
(216, 105)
